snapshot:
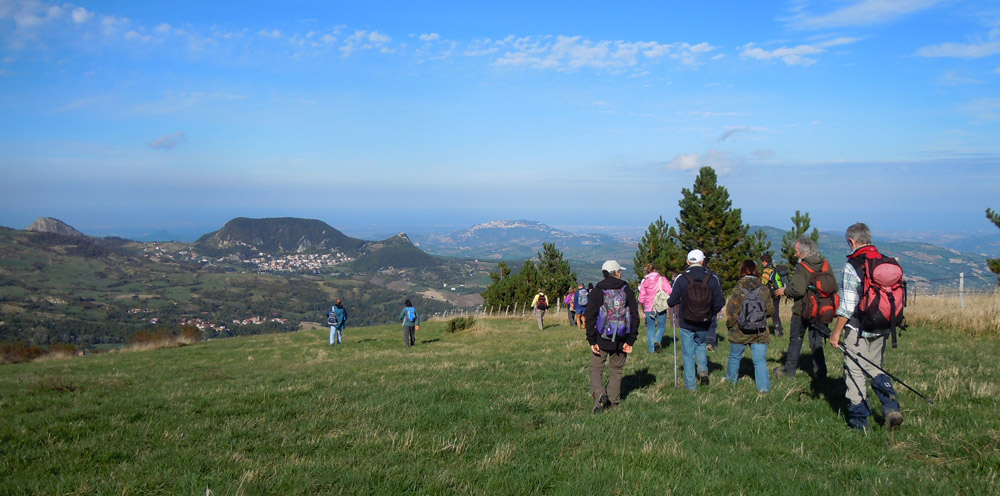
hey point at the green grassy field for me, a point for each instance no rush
(498, 409)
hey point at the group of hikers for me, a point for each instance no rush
(864, 312)
(337, 319)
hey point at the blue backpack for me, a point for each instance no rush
(613, 319)
(411, 314)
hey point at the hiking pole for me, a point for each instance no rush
(673, 326)
(853, 355)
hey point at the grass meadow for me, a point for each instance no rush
(500, 408)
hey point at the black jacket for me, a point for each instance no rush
(680, 289)
(594, 303)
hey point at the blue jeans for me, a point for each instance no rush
(693, 350)
(334, 335)
(656, 326)
(759, 353)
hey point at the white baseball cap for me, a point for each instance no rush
(695, 256)
(611, 266)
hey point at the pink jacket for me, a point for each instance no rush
(647, 289)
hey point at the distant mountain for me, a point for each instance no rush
(397, 252)
(517, 239)
(54, 226)
(278, 236)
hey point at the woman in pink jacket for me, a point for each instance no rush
(656, 322)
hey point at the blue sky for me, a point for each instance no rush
(124, 114)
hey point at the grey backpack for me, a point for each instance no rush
(753, 316)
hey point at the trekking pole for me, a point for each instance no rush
(673, 326)
(853, 355)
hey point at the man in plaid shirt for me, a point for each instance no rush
(867, 343)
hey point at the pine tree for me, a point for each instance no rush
(660, 247)
(502, 287)
(994, 263)
(553, 272)
(709, 222)
(800, 226)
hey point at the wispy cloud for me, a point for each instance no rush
(570, 53)
(983, 109)
(953, 78)
(803, 55)
(974, 50)
(722, 162)
(730, 132)
(169, 141)
(860, 13)
(366, 40)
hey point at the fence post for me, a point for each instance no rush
(961, 289)
(506, 312)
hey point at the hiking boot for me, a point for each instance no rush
(893, 419)
(703, 377)
(780, 372)
(598, 409)
(657, 348)
(605, 401)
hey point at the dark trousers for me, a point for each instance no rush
(776, 318)
(795, 335)
(408, 336)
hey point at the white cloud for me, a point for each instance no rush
(569, 53)
(861, 13)
(953, 78)
(169, 141)
(273, 33)
(984, 109)
(975, 50)
(136, 36)
(163, 28)
(430, 37)
(720, 161)
(366, 40)
(82, 15)
(111, 25)
(797, 55)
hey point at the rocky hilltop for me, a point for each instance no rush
(278, 236)
(56, 226)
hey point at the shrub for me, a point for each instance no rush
(461, 323)
(19, 353)
(190, 335)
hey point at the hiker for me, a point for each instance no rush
(698, 291)
(337, 318)
(810, 260)
(653, 284)
(581, 299)
(612, 324)
(539, 304)
(712, 338)
(570, 306)
(747, 310)
(770, 276)
(868, 343)
(411, 323)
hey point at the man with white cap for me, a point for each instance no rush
(698, 291)
(612, 322)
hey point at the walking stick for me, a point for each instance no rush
(673, 325)
(853, 355)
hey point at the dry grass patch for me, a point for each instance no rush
(980, 317)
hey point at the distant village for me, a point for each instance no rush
(263, 262)
(206, 325)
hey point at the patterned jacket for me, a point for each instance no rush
(735, 303)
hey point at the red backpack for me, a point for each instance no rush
(819, 306)
(883, 294)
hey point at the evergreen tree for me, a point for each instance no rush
(528, 282)
(709, 222)
(994, 263)
(554, 273)
(800, 226)
(502, 287)
(660, 247)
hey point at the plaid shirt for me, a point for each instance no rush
(850, 292)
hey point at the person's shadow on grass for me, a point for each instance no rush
(637, 380)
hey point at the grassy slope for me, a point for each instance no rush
(498, 409)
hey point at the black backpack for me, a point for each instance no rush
(543, 303)
(697, 304)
